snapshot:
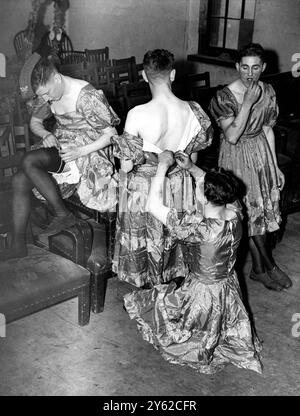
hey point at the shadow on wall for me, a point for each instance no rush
(184, 67)
(272, 62)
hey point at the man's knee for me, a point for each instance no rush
(30, 160)
(18, 181)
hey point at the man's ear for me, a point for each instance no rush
(172, 75)
(237, 66)
(264, 67)
(144, 76)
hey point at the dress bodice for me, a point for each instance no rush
(210, 244)
(130, 147)
(263, 113)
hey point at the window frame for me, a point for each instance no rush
(205, 24)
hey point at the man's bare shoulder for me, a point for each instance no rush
(142, 108)
(234, 86)
(140, 111)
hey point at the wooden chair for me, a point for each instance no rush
(98, 75)
(188, 86)
(60, 47)
(19, 41)
(7, 134)
(74, 70)
(131, 62)
(139, 70)
(120, 74)
(97, 55)
(135, 93)
(72, 57)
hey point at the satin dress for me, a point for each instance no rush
(141, 257)
(251, 158)
(94, 176)
(203, 323)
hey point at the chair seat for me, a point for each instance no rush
(37, 281)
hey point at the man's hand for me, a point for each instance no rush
(50, 141)
(183, 160)
(281, 179)
(252, 94)
(166, 158)
(71, 153)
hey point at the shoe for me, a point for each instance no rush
(278, 276)
(265, 279)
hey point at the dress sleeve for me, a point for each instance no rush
(41, 109)
(192, 227)
(222, 106)
(205, 135)
(93, 105)
(128, 147)
(272, 110)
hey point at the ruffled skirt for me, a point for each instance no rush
(204, 326)
(251, 160)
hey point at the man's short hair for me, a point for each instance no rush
(42, 72)
(158, 63)
(252, 49)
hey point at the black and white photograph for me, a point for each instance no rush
(149, 201)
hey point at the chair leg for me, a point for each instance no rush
(84, 306)
(99, 284)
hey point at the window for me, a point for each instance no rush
(225, 25)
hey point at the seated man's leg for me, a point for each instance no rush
(22, 188)
(34, 174)
(36, 167)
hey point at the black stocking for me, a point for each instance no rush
(33, 173)
(35, 166)
(257, 263)
(261, 257)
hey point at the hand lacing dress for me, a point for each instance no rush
(140, 255)
(94, 178)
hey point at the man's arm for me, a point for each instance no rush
(233, 127)
(131, 127)
(37, 127)
(269, 132)
(72, 153)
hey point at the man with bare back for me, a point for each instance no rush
(142, 255)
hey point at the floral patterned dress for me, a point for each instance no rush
(203, 323)
(94, 178)
(251, 158)
(141, 257)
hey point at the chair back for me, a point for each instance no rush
(135, 93)
(120, 74)
(74, 70)
(131, 64)
(198, 80)
(59, 46)
(187, 86)
(97, 55)
(72, 57)
(99, 76)
(139, 70)
(19, 41)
